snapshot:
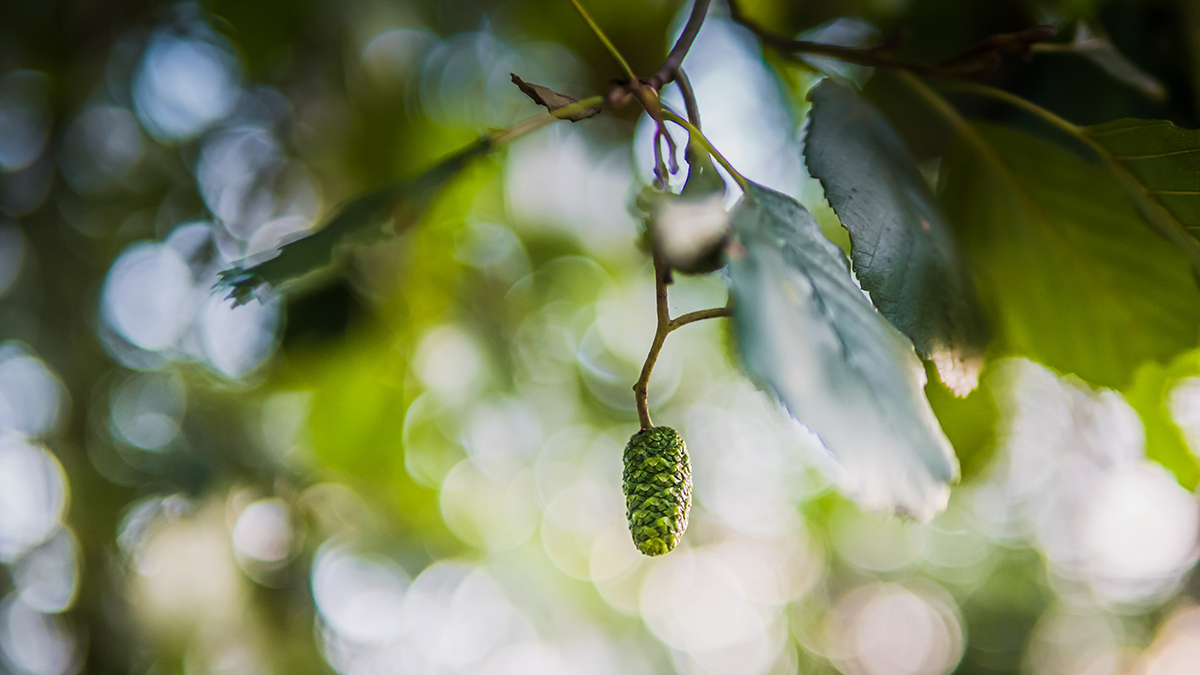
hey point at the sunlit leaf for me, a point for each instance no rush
(1069, 273)
(360, 221)
(969, 421)
(356, 427)
(810, 335)
(903, 251)
(1149, 396)
(1157, 163)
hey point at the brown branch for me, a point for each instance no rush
(669, 69)
(664, 326)
(662, 276)
(699, 315)
(978, 61)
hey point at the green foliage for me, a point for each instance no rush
(1029, 243)
(1149, 396)
(657, 482)
(903, 252)
(404, 202)
(356, 425)
(808, 333)
(1069, 273)
(969, 421)
(1156, 162)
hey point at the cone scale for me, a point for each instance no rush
(658, 489)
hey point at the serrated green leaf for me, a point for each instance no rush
(358, 222)
(1070, 275)
(809, 335)
(903, 250)
(1157, 164)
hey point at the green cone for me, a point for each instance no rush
(658, 489)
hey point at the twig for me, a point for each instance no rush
(669, 69)
(661, 175)
(943, 108)
(665, 325)
(646, 92)
(661, 330)
(689, 96)
(978, 61)
(699, 315)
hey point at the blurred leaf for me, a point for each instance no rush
(357, 222)
(844, 32)
(357, 425)
(969, 421)
(690, 229)
(1148, 395)
(1098, 49)
(810, 335)
(552, 100)
(1002, 611)
(1070, 274)
(1156, 163)
(903, 250)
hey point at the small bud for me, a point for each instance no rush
(658, 489)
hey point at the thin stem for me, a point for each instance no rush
(696, 135)
(662, 329)
(1014, 100)
(1157, 215)
(1055, 48)
(1038, 111)
(857, 55)
(664, 326)
(960, 124)
(669, 70)
(689, 96)
(612, 49)
(661, 175)
(699, 315)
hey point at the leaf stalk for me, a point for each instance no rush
(599, 32)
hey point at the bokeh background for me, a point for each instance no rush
(412, 464)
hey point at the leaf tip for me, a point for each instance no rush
(240, 282)
(959, 373)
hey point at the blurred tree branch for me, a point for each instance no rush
(669, 70)
(979, 61)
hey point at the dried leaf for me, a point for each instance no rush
(552, 100)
